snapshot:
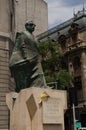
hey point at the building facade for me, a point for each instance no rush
(13, 15)
(72, 37)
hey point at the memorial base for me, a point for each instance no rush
(37, 109)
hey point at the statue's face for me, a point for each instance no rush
(30, 27)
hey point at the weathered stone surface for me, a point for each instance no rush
(39, 116)
(52, 111)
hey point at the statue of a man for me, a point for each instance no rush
(25, 63)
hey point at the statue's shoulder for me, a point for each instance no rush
(19, 34)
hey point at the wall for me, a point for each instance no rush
(35, 10)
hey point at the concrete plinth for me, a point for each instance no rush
(37, 109)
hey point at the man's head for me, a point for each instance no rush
(30, 26)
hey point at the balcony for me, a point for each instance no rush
(77, 45)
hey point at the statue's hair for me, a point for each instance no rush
(29, 22)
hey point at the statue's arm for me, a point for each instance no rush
(23, 46)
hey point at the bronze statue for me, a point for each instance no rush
(25, 63)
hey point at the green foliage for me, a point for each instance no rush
(51, 62)
(64, 77)
(51, 54)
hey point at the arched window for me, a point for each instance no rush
(62, 41)
(76, 63)
(77, 66)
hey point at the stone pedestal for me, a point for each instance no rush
(37, 109)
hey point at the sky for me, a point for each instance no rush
(60, 11)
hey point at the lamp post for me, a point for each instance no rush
(74, 118)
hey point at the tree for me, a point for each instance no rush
(51, 62)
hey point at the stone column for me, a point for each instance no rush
(83, 73)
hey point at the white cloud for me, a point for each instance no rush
(59, 12)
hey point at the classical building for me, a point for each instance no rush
(13, 14)
(72, 37)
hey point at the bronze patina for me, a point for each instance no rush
(25, 63)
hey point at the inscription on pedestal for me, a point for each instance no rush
(52, 111)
